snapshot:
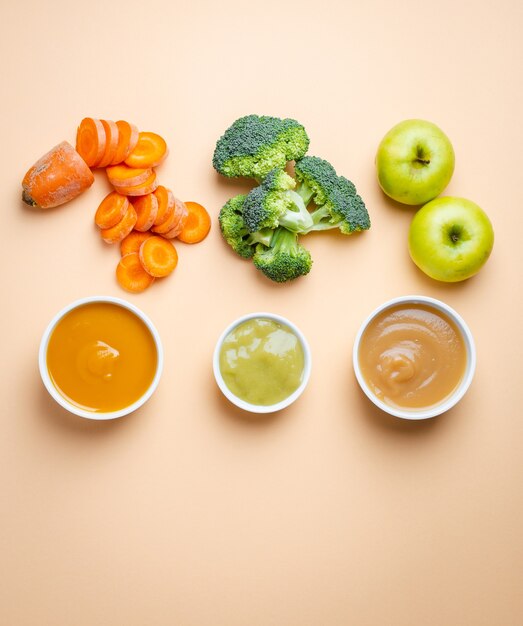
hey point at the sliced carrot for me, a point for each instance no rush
(158, 256)
(111, 210)
(133, 241)
(165, 199)
(90, 140)
(131, 275)
(127, 140)
(181, 213)
(146, 208)
(150, 185)
(197, 225)
(57, 177)
(122, 175)
(150, 151)
(111, 132)
(122, 229)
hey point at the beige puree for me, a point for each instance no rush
(412, 356)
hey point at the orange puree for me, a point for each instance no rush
(101, 357)
(412, 356)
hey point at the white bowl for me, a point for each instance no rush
(60, 399)
(256, 408)
(458, 393)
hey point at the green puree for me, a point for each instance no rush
(262, 362)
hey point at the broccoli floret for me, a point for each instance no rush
(274, 203)
(337, 203)
(285, 259)
(236, 233)
(254, 145)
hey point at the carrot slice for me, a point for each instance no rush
(111, 132)
(181, 213)
(131, 275)
(122, 228)
(165, 199)
(127, 140)
(122, 175)
(57, 177)
(133, 241)
(158, 256)
(90, 140)
(150, 151)
(146, 208)
(111, 210)
(197, 225)
(150, 185)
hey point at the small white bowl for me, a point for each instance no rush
(256, 408)
(458, 393)
(60, 399)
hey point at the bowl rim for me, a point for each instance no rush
(461, 389)
(59, 398)
(256, 408)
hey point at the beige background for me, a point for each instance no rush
(329, 513)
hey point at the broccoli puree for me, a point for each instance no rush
(262, 362)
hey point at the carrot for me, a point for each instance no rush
(146, 208)
(90, 140)
(111, 210)
(122, 175)
(57, 177)
(111, 132)
(122, 228)
(158, 256)
(131, 275)
(197, 224)
(133, 241)
(165, 199)
(150, 151)
(143, 189)
(181, 213)
(127, 140)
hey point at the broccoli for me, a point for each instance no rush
(254, 145)
(337, 203)
(234, 231)
(285, 259)
(274, 203)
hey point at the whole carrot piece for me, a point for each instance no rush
(57, 177)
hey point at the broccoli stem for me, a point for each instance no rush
(317, 216)
(298, 218)
(305, 192)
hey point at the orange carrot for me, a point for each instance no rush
(127, 140)
(181, 213)
(146, 208)
(131, 275)
(111, 210)
(197, 224)
(122, 175)
(111, 132)
(165, 199)
(150, 151)
(90, 140)
(122, 228)
(158, 256)
(133, 241)
(143, 189)
(57, 177)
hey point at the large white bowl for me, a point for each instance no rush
(459, 392)
(62, 401)
(256, 408)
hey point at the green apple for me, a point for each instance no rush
(450, 239)
(414, 162)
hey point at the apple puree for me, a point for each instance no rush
(412, 356)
